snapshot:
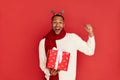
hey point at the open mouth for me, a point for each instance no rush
(57, 30)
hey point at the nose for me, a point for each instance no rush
(57, 24)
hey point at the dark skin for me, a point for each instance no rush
(57, 26)
(54, 72)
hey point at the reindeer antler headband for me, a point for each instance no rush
(54, 13)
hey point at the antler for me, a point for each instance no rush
(61, 12)
(54, 13)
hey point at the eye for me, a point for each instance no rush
(54, 22)
(61, 22)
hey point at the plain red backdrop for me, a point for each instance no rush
(23, 23)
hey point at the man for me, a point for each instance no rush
(70, 42)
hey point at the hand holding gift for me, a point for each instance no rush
(58, 59)
(54, 72)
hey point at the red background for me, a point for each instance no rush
(24, 22)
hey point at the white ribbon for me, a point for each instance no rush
(59, 57)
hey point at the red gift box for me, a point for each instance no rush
(58, 60)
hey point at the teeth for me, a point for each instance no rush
(57, 29)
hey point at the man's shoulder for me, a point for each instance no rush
(42, 40)
(71, 34)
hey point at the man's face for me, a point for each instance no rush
(57, 24)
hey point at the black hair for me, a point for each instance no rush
(59, 15)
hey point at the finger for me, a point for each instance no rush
(52, 70)
(88, 24)
(56, 71)
(86, 28)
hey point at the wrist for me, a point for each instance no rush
(91, 34)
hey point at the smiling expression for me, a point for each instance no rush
(57, 24)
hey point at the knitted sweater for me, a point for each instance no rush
(70, 43)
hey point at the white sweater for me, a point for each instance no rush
(70, 43)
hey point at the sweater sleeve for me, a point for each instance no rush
(88, 47)
(43, 59)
